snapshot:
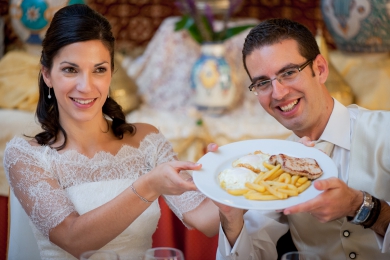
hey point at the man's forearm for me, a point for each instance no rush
(232, 226)
(380, 226)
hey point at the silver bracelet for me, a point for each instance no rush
(139, 196)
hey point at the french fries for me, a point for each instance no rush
(237, 192)
(275, 184)
(267, 175)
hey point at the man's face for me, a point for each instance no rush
(299, 105)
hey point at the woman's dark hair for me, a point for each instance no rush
(71, 24)
(275, 30)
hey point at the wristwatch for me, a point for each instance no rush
(364, 211)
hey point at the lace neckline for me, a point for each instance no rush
(47, 149)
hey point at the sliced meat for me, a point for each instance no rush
(297, 166)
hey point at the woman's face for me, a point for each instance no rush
(80, 78)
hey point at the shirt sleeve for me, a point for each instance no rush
(384, 242)
(258, 238)
(36, 187)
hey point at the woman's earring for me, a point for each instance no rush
(49, 96)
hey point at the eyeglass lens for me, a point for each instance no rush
(285, 78)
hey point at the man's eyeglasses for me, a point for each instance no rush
(286, 77)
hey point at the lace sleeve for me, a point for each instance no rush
(184, 203)
(178, 204)
(29, 173)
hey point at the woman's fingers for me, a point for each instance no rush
(167, 179)
(184, 165)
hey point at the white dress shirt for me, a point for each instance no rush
(260, 234)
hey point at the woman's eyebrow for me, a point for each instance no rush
(75, 65)
(99, 64)
(70, 63)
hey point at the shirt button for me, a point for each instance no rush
(352, 255)
(346, 233)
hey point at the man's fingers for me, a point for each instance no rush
(326, 184)
(306, 141)
(307, 206)
(317, 202)
(212, 147)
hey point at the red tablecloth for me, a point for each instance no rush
(172, 233)
(3, 226)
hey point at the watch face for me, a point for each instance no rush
(363, 214)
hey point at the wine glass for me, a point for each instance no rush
(301, 255)
(99, 255)
(164, 253)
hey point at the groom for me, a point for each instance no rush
(350, 218)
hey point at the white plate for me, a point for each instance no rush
(207, 182)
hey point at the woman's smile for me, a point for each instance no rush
(83, 101)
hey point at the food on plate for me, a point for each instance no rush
(297, 166)
(253, 161)
(281, 176)
(235, 178)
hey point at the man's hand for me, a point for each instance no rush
(336, 201)
(212, 147)
(232, 219)
(306, 141)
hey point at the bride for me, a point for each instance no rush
(90, 180)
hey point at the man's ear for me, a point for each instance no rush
(322, 67)
(46, 76)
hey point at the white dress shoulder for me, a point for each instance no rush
(51, 185)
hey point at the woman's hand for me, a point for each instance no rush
(166, 179)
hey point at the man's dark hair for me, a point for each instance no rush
(272, 31)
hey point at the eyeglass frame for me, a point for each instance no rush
(300, 68)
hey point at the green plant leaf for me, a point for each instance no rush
(195, 34)
(184, 23)
(187, 22)
(208, 27)
(230, 32)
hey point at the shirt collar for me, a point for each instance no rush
(338, 128)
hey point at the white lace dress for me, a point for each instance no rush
(50, 185)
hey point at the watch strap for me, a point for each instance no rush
(376, 210)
